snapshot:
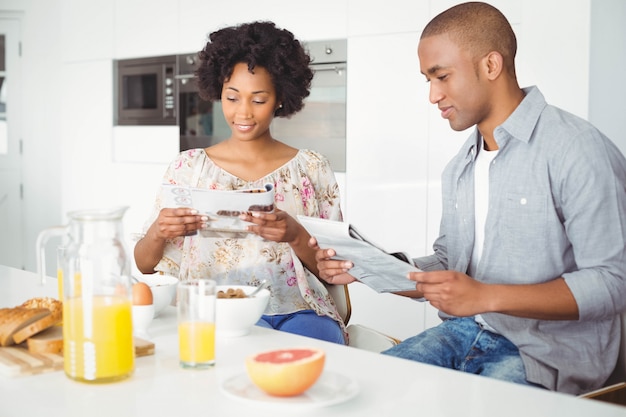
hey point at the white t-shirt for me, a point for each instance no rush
(481, 208)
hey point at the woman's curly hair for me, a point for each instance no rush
(257, 44)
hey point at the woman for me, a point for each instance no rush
(259, 72)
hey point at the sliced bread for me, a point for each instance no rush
(48, 341)
(14, 319)
(52, 304)
(35, 327)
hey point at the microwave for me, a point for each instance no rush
(145, 91)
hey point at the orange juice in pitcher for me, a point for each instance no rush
(97, 338)
(60, 283)
(60, 258)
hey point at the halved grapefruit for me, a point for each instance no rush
(286, 372)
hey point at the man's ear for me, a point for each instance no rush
(493, 65)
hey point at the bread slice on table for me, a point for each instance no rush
(48, 341)
(35, 327)
(56, 313)
(12, 320)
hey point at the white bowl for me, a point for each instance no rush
(236, 316)
(142, 317)
(163, 289)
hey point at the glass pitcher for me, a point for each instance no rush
(94, 272)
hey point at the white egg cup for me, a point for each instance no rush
(142, 317)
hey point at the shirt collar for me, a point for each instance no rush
(472, 144)
(521, 123)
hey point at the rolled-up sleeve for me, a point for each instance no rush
(594, 208)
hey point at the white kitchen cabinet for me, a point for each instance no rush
(387, 141)
(546, 52)
(324, 19)
(387, 166)
(385, 17)
(86, 28)
(144, 27)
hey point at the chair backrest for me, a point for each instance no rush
(360, 336)
(341, 296)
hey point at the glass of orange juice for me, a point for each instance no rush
(196, 323)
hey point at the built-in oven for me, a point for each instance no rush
(320, 125)
(145, 91)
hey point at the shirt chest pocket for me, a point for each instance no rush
(522, 223)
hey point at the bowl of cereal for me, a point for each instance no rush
(236, 311)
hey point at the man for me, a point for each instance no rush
(529, 270)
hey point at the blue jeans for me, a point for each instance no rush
(305, 323)
(461, 344)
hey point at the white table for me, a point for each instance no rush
(159, 387)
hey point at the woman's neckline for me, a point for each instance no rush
(279, 168)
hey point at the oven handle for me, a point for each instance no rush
(184, 78)
(338, 68)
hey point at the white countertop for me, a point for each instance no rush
(159, 387)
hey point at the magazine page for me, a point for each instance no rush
(373, 266)
(222, 207)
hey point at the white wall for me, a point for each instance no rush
(607, 83)
(397, 144)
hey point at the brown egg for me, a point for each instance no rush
(142, 294)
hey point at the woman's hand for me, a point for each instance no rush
(277, 226)
(175, 222)
(331, 270)
(171, 223)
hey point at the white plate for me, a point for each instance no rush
(331, 388)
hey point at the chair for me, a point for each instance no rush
(614, 390)
(361, 337)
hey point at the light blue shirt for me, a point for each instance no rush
(557, 208)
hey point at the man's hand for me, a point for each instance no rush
(330, 270)
(452, 292)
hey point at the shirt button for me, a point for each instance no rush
(523, 201)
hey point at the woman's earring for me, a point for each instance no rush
(280, 106)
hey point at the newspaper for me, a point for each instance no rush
(379, 270)
(222, 207)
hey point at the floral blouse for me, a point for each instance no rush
(305, 185)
